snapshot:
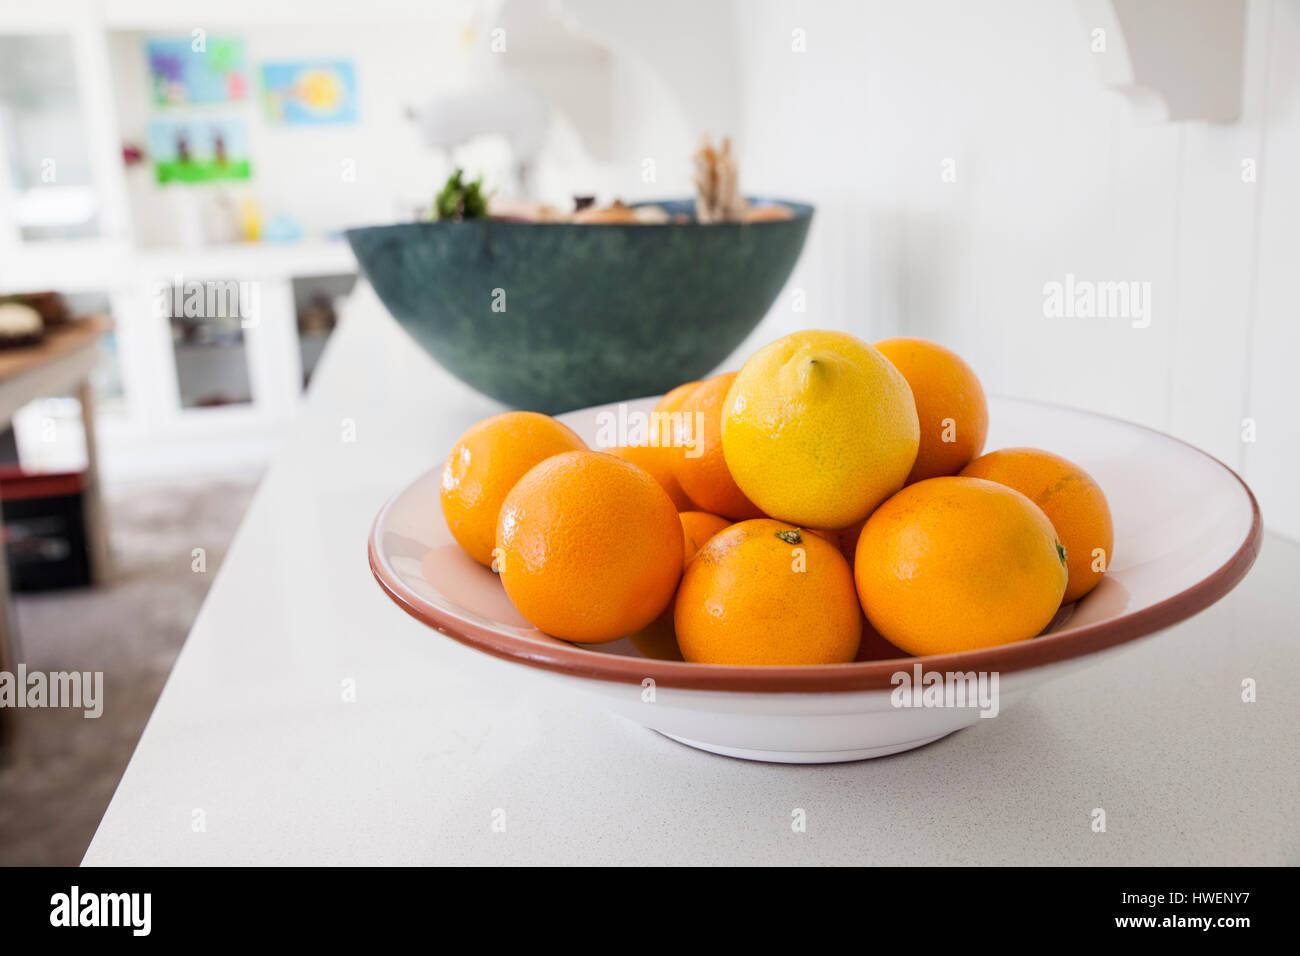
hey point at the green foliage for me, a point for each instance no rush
(460, 200)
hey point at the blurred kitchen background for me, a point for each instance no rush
(961, 157)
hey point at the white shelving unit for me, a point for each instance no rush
(152, 432)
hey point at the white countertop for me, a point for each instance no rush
(253, 731)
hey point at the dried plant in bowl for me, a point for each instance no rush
(717, 189)
(717, 184)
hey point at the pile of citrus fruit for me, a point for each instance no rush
(771, 510)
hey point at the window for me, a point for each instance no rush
(46, 156)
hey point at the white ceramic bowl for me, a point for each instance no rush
(1187, 529)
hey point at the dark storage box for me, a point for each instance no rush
(44, 529)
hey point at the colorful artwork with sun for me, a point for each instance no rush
(310, 92)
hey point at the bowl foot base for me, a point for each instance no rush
(808, 756)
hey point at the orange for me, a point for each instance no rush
(672, 401)
(656, 640)
(697, 528)
(763, 592)
(1069, 497)
(701, 466)
(950, 405)
(667, 412)
(656, 462)
(589, 548)
(485, 464)
(657, 454)
(956, 564)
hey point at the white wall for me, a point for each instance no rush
(1053, 176)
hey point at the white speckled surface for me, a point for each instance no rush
(252, 728)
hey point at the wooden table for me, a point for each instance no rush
(60, 364)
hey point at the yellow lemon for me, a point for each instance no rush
(819, 428)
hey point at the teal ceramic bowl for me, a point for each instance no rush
(552, 317)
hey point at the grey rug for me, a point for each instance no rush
(59, 770)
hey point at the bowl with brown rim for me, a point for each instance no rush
(1187, 529)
